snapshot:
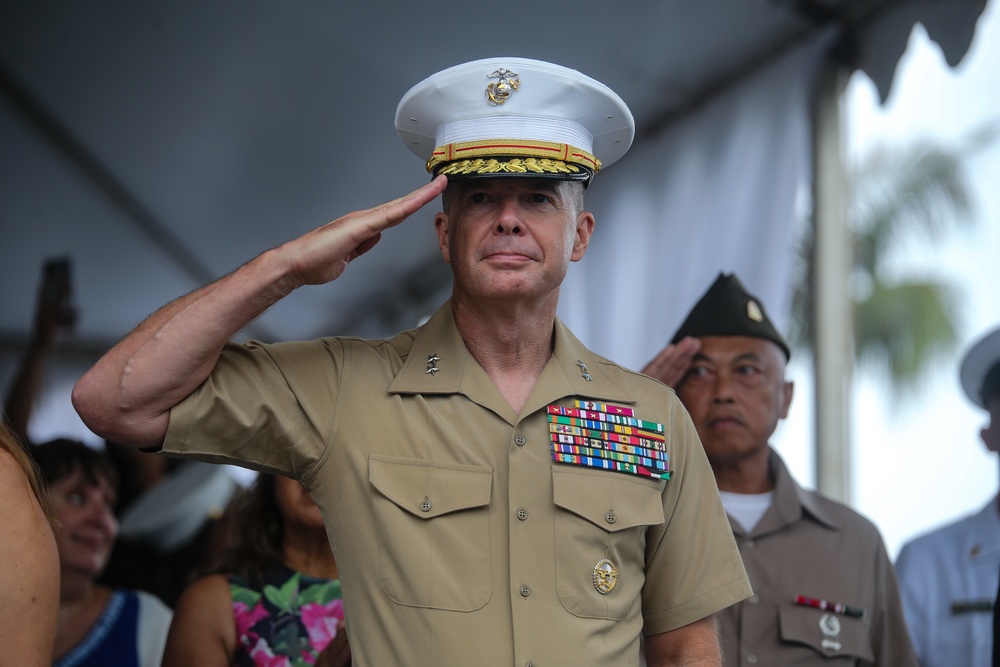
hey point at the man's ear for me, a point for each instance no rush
(584, 228)
(441, 227)
(789, 391)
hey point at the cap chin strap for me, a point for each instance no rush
(511, 156)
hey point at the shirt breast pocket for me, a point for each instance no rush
(433, 529)
(839, 639)
(600, 539)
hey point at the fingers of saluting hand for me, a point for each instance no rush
(394, 212)
(673, 361)
(322, 254)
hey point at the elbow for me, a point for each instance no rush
(103, 413)
(88, 402)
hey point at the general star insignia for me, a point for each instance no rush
(432, 360)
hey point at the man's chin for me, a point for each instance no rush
(728, 452)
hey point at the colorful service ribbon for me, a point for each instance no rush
(825, 605)
(609, 437)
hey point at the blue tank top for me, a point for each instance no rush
(112, 640)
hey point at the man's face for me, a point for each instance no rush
(512, 237)
(735, 392)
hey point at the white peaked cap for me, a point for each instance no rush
(514, 117)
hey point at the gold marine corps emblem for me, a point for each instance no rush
(605, 576)
(497, 93)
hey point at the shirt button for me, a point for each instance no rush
(522, 513)
(753, 599)
(751, 659)
(611, 517)
(525, 591)
(426, 504)
(529, 664)
(519, 440)
(748, 543)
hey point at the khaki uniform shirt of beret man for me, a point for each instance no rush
(494, 492)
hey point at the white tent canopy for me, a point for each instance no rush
(160, 145)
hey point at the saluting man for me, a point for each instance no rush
(949, 576)
(494, 492)
(824, 587)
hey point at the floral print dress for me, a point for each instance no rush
(288, 621)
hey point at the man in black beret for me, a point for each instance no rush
(824, 587)
(948, 577)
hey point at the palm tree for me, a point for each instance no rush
(902, 323)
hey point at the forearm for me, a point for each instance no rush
(127, 396)
(694, 645)
(25, 388)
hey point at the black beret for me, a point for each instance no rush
(727, 309)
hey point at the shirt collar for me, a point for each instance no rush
(792, 501)
(438, 345)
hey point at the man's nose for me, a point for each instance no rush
(509, 218)
(722, 390)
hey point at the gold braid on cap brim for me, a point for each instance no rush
(512, 156)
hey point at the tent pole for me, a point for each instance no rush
(832, 310)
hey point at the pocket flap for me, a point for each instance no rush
(610, 500)
(843, 635)
(428, 489)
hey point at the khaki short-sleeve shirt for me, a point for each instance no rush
(810, 547)
(458, 539)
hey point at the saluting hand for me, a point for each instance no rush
(321, 255)
(673, 361)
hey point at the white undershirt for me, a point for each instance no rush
(746, 508)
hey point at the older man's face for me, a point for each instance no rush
(735, 392)
(512, 238)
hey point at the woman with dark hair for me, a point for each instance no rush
(274, 599)
(29, 562)
(96, 624)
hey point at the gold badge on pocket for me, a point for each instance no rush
(605, 576)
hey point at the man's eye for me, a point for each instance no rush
(477, 197)
(747, 369)
(539, 198)
(697, 371)
(75, 498)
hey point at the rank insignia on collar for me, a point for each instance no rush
(432, 360)
(608, 437)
